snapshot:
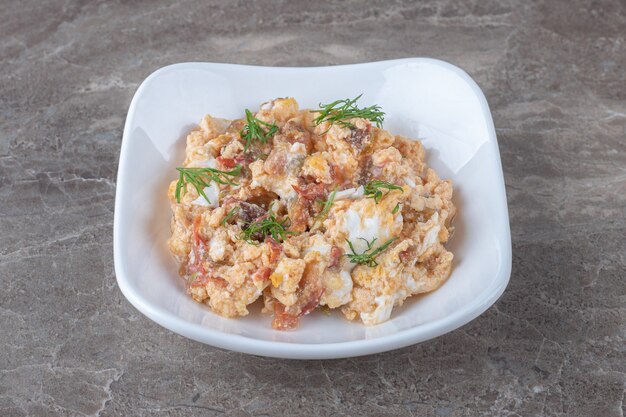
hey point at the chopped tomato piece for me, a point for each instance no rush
(335, 255)
(262, 274)
(276, 163)
(199, 249)
(314, 301)
(299, 214)
(296, 133)
(227, 162)
(275, 249)
(203, 280)
(283, 320)
(233, 162)
(339, 176)
(311, 191)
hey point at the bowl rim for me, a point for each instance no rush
(290, 350)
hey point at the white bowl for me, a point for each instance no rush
(423, 98)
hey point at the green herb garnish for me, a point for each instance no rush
(326, 205)
(230, 215)
(202, 177)
(396, 209)
(373, 189)
(269, 226)
(340, 111)
(366, 258)
(254, 131)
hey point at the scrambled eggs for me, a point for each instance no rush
(304, 212)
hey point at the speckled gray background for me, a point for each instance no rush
(554, 73)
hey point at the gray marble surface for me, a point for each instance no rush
(554, 73)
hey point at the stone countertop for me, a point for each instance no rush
(554, 73)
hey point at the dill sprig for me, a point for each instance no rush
(366, 258)
(326, 205)
(373, 189)
(254, 131)
(202, 177)
(230, 215)
(340, 111)
(269, 226)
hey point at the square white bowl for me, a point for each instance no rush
(427, 99)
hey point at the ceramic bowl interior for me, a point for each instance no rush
(422, 98)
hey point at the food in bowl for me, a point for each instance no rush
(308, 209)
